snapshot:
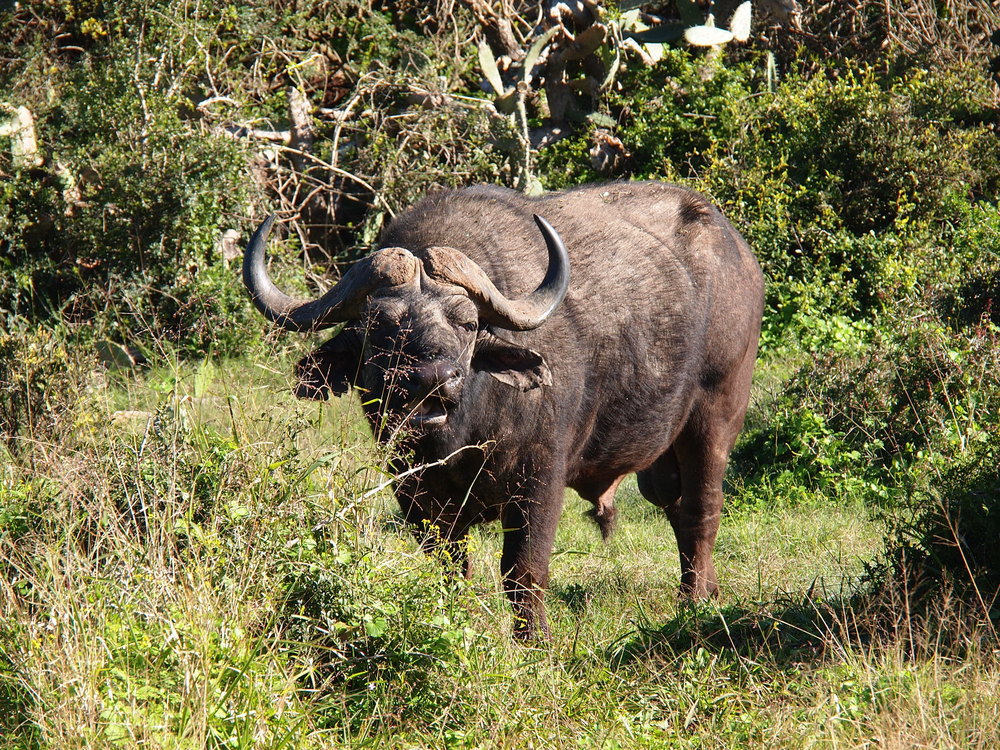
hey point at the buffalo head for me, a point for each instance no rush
(417, 325)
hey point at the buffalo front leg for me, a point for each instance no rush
(529, 529)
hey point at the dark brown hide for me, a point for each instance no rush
(645, 367)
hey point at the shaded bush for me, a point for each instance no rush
(117, 229)
(900, 33)
(949, 544)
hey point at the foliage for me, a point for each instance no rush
(879, 419)
(947, 545)
(847, 184)
(39, 379)
(120, 230)
(667, 116)
(387, 638)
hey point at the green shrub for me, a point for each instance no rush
(880, 420)
(40, 381)
(117, 229)
(381, 638)
(669, 117)
(851, 182)
(947, 544)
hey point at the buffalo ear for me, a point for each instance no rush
(332, 368)
(509, 363)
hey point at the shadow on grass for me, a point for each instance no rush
(786, 631)
(791, 630)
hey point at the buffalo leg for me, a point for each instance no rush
(695, 516)
(661, 482)
(702, 451)
(686, 482)
(529, 532)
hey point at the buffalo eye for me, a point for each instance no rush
(468, 326)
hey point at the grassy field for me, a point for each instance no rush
(201, 561)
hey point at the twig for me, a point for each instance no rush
(414, 470)
(342, 172)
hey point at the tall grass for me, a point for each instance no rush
(194, 559)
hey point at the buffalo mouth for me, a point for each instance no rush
(429, 412)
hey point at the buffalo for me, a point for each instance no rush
(633, 353)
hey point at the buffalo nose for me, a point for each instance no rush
(440, 378)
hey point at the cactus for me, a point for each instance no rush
(710, 35)
(20, 127)
(596, 52)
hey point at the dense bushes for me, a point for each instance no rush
(845, 178)
(143, 116)
(117, 227)
(40, 382)
(949, 544)
(894, 411)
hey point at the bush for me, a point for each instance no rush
(949, 543)
(39, 384)
(389, 635)
(118, 230)
(881, 419)
(845, 182)
(118, 227)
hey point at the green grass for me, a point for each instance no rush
(199, 561)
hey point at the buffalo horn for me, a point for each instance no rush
(452, 266)
(343, 302)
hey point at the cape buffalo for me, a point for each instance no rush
(633, 354)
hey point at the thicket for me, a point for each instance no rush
(855, 146)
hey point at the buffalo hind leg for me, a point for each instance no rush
(695, 517)
(686, 482)
(702, 450)
(661, 482)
